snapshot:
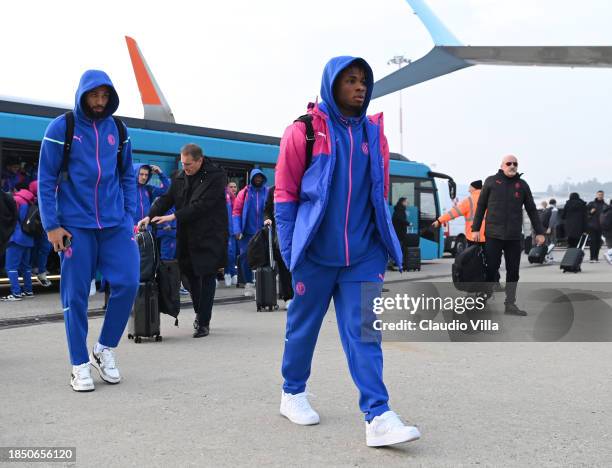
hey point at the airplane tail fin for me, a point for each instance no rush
(440, 34)
(155, 105)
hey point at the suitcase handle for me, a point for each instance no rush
(270, 252)
(586, 239)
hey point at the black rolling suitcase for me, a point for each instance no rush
(144, 320)
(573, 256)
(265, 282)
(412, 259)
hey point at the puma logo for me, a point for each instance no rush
(78, 138)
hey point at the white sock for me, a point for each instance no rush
(98, 348)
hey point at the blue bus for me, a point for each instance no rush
(22, 127)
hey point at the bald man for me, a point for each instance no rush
(502, 197)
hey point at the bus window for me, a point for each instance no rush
(402, 188)
(428, 213)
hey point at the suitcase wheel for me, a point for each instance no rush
(130, 336)
(137, 339)
(258, 309)
(158, 338)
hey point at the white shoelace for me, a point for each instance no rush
(300, 401)
(108, 358)
(83, 372)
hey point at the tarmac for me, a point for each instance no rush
(214, 401)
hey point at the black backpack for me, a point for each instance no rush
(69, 116)
(8, 218)
(605, 219)
(149, 257)
(470, 270)
(32, 224)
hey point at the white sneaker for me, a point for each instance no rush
(11, 298)
(249, 289)
(388, 429)
(104, 362)
(92, 288)
(608, 256)
(228, 280)
(43, 280)
(80, 379)
(297, 409)
(234, 280)
(287, 304)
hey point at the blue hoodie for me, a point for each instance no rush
(248, 210)
(346, 233)
(146, 194)
(96, 194)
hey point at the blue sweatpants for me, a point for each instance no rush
(17, 262)
(244, 264)
(40, 253)
(114, 253)
(230, 269)
(353, 290)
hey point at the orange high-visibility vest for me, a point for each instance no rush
(467, 209)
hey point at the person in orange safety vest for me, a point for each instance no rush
(467, 209)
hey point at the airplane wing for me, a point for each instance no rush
(155, 105)
(449, 55)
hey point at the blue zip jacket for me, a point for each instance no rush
(314, 200)
(19, 237)
(145, 193)
(248, 211)
(345, 236)
(97, 194)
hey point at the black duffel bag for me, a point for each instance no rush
(168, 285)
(257, 249)
(470, 270)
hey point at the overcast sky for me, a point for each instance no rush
(253, 65)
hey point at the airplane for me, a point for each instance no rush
(450, 55)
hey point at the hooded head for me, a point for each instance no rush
(98, 85)
(334, 86)
(137, 171)
(33, 187)
(252, 180)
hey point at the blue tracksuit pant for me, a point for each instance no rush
(17, 262)
(114, 253)
(40, 253)
(350, 287)
(244, 264)
(230, 269)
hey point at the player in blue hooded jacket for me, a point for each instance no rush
(248, 218)
(88, 217)
(145, 193)
(335, 234)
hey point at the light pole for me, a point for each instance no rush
(400, 60)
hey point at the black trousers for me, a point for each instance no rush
(595, 238)
(285, 288)
(511, 250)
(202, 291)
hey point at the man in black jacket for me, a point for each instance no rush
(198, 194)
(594, 210)
(502, 198)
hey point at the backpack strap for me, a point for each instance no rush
(306, 119)
(122, 140)
(69, 135)
(69, 118)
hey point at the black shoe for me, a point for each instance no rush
(196, 324)
(201, 332)
(512, 309)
